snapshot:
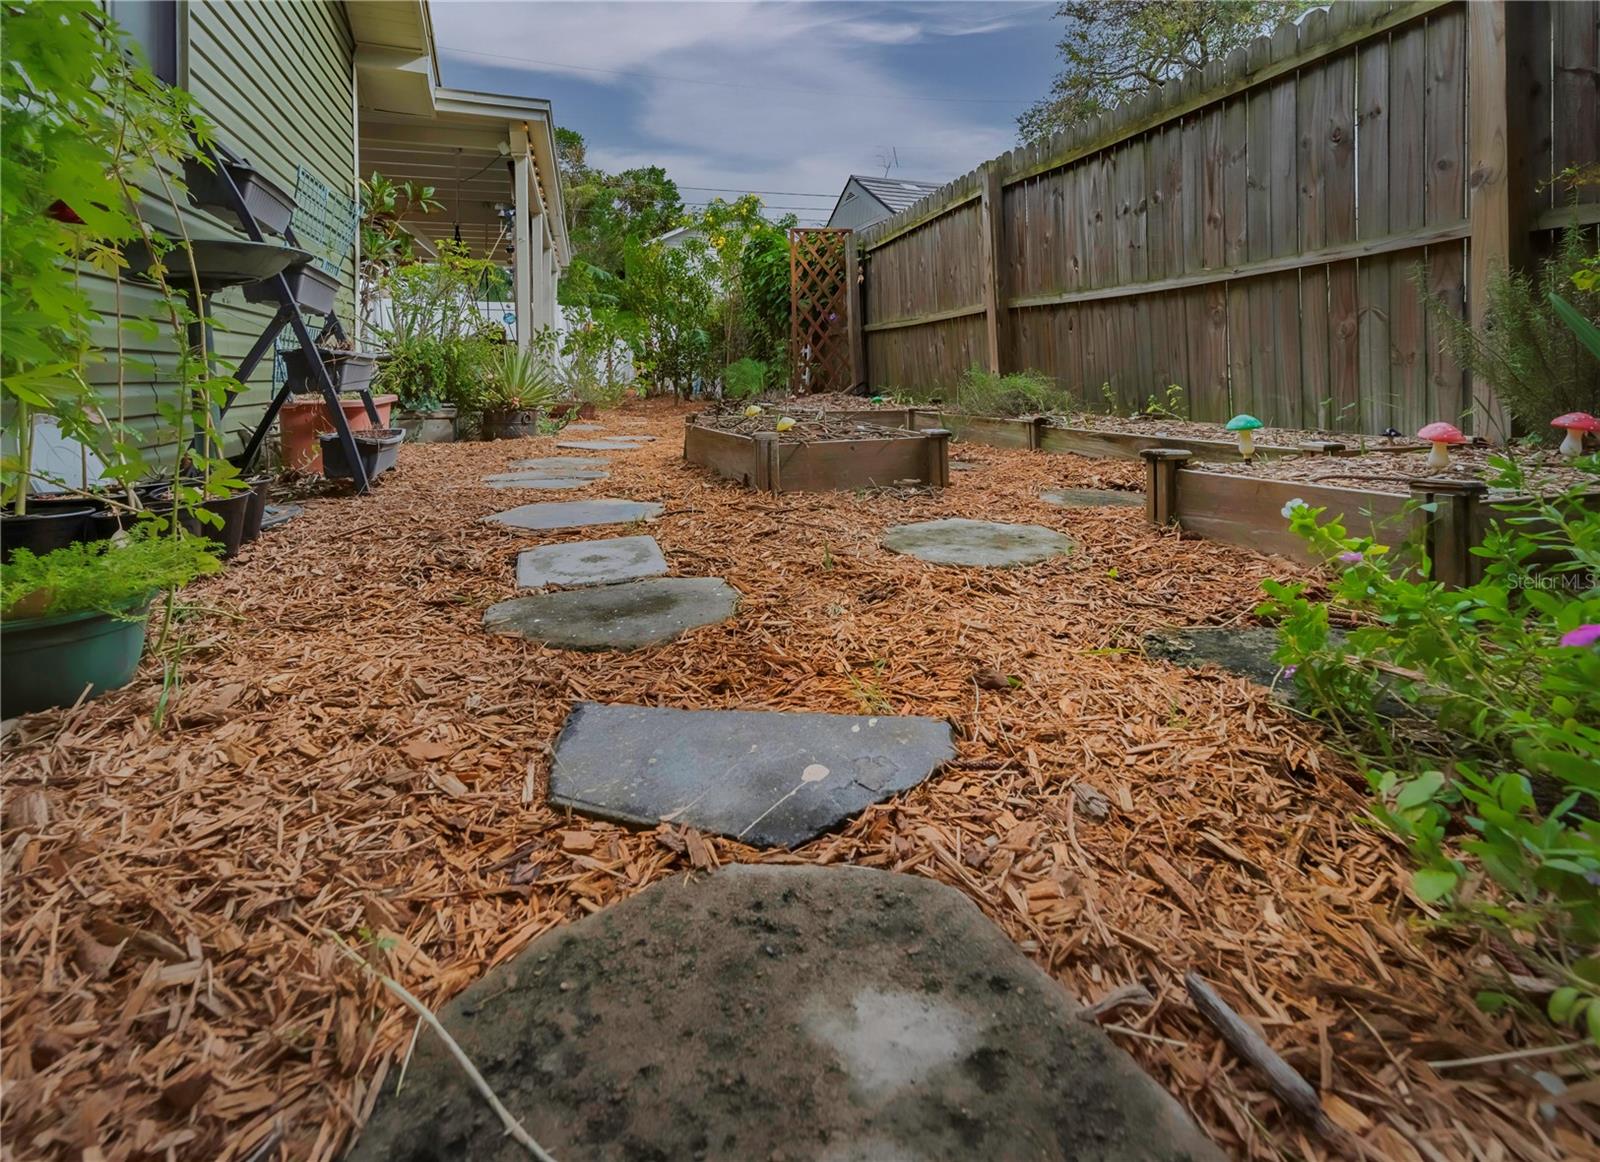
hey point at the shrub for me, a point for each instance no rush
(1531, 357)
(1475, 714)
(518, 379)
(103, 575)
(744, 379)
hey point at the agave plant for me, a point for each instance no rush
(520, 379)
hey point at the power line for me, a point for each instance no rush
(735, 84)
(737, 190)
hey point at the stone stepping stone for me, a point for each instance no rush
(1092, 498)
(277, 515)
(958, 541)
(616, 617)
(562, 465)
(540, 478)
(768, 778)
(839, 1014)
(590, 563)
(584, 428)
(613, 445)
(575, 514)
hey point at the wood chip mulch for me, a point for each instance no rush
(348, 753)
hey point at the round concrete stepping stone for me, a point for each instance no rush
(770, 778)
(614, 445)
(584, 428)
(562, 465)
(575, 514)
(835, 1014)
(539, 479)
(590, 563)
(958, 541)
(1092, 498)
(616, 617)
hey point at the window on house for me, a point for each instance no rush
(153, 26)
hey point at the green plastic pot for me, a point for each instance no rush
(48, 661)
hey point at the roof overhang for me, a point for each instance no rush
(460, 142)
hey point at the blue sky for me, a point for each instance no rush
(767, 95)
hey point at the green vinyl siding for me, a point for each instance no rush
(276, 81)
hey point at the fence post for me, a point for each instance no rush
(852, 280)
(1499, 58)
(991, 242)
(1161, 483)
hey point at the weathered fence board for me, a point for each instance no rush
(1264, 233)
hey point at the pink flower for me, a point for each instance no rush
(1584, 635)
(1351, 557)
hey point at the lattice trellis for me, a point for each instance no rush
(819, 311)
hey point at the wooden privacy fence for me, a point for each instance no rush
(1260, 232)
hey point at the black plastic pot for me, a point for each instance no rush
(510, 423)
(313, 289)
(234, 510)
(42, 532)
(260, 490)
(379, 449)
(271, 206)
(349, 370)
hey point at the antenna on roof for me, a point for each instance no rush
(890, 158)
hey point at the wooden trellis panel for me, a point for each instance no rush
(819, 310)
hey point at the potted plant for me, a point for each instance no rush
(518, 386)
(73, 620)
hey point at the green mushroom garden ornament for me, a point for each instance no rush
(1244, 426)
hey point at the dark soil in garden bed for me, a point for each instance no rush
(808, 426)
(1161, 426)
(1547, 473)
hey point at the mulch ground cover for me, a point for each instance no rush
(348, 753)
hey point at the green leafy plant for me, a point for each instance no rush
(437, 341)
(744, 379)
(519, 380)
(1476, 715)
(103, 575)
(1018, 393)
(1529, 352)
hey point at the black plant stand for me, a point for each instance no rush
(289, 314)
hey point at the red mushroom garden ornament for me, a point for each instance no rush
(1577, 424)
(1441, 435)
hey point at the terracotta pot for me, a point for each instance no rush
(588, 411)
(299, 422)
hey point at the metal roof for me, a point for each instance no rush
(895, 193)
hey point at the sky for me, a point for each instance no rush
(773, 96)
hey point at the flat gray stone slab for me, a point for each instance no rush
(562, 465)
(590, 563)
(769, 778)
(539, 480)
(801, 1014)
(616, 617)
(1092, 498)
(616, 445)
(958, 541)
(584, 428)
(575, 514)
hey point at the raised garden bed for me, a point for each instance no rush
(1116, 438)
(1393, 499)
(819, 453)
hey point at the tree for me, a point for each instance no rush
(1115, 48)
(605, 210)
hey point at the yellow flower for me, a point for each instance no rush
(785, 424)
(717, 241)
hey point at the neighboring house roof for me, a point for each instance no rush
(891, 194)
(678, 235)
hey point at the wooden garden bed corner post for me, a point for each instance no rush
(1161, 483)
(1041, 424)
(765, 475)
(1500, 55)
(938, 457)
(1448, 523)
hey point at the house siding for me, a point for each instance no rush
(276, 81)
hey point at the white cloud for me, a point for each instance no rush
(779, 96)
